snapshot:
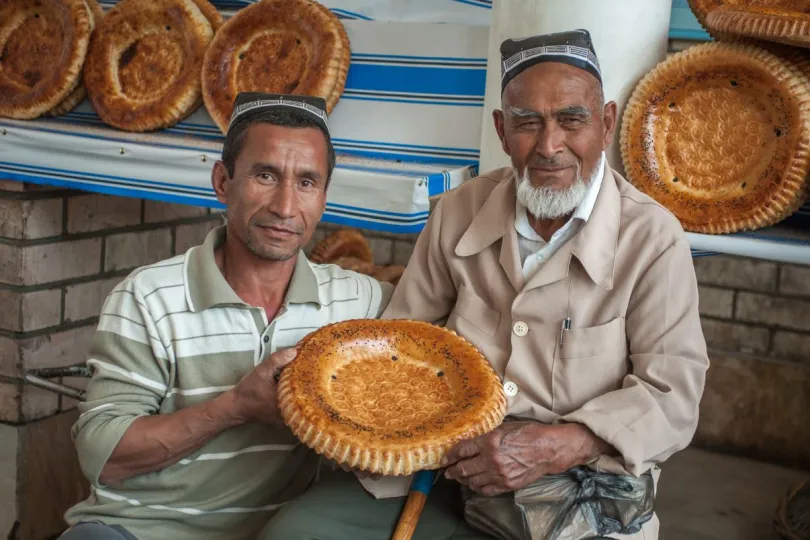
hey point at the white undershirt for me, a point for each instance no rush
(534, 251)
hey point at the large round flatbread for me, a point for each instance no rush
(342, 243)
(143, 68)
(720, 135)
(389, 397)
(79, 93)
(276, 46)
(758, 22)
(702, 8)
(43, 45)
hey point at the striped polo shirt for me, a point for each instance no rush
(173, 334)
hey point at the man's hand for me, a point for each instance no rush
(255, 397)
(517, 453)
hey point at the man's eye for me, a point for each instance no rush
(265, 176)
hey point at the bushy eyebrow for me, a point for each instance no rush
(259, 167)
(571, 110)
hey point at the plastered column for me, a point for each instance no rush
(630, 37)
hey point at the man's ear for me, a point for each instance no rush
(609, 118)
(219, 180)
(500, 127)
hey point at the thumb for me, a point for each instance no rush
(282, 357)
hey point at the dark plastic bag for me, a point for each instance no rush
(579, 504)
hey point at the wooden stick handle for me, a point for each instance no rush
(409, 519)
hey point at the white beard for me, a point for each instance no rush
(547, 202)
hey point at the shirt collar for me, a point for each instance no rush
(582, 212)
(205, 286)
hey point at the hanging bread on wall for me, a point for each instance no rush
(342, 243)
(702, 9)
(143, 68)
(720, 135)
(79, 93)
(276, 46)
(43, 45)
(388, 397)
(777, 24)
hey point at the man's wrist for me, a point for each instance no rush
(224, 410)
(578, 445)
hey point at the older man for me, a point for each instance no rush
(180, 436)
(579, 290)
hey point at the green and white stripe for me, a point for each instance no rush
(174, 334)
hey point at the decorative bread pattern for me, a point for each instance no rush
(79, 93)
(143, 68)
(702, 8)
(342, 243)
(772, 24)
(388, 397)
(276, 46)
(720, 135)
(43, 45)
(343, 58)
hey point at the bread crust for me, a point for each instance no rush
(342, 243)
(143, 68)
(388, 397)
(768, 23)
(720, 135)
(275, 46)
(43, 45)
(79, 93)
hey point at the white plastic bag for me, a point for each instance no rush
(580, 504)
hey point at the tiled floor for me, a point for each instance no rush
(707, 496)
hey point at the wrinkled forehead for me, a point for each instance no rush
(551, 86)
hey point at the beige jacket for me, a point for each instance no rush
(632, 366)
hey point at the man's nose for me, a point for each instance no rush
(283, 201)
(549, 140)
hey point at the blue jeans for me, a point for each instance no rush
(95, 530)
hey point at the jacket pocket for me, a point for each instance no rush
(474, 311)
(591, 362)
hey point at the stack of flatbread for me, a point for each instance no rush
(720, 133)
(276, 46)
(147, 64)
(43, 46)
(349, 249)
(143, 67)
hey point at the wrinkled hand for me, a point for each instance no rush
(254, 398)
(516, 454)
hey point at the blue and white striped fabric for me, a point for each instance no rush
(414, 92)
(408, 127)
(370, 194)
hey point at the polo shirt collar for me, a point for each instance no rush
(205, 286)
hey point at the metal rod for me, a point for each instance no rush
(45, 384)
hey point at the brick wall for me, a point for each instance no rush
(755, 307)
(61, 252)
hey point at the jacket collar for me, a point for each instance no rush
(594, 245)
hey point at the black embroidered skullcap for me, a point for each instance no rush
(574, 48)
(248, 104)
